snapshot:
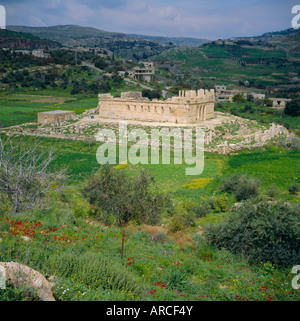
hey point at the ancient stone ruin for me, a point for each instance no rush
(190, 106)
(55, 116)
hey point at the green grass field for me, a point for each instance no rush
(179, 266)
(265, 115)
(23, 108)
(199, 272)
(271, 165)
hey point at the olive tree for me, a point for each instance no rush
(125, 198)
(24, 174)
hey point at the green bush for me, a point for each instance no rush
(189, 219)
(221, 203)
(292, 108)
(176, 224)
(160, 237)
(231, 183)
(268, 232)
(93, 270)
(294, 189)
(268, 102)
(79, 205)
(272, 191)
(202, 209)
(185, 214)
(238, 98)
(241, 186)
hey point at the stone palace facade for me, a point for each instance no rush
(189, 107)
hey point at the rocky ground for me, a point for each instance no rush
(223, 134)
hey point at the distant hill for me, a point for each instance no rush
(277, 34)
(288, 40)
(141, 47)
(69, 34)
(178, 41)
(119, 43)
(268, 61)
(20, 40)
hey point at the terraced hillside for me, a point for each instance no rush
(262, 63)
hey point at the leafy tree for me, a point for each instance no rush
(75, 90)
(152, 94)
(117, 79)
(125, 198)
(292, 108)
(268, 102)
(250, 97)
(100, 63)
(238, 98)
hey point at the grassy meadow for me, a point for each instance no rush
(163, 265)
(165, 262)
(23, 108)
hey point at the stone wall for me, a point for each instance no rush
(279, 102)
(190, 106)
(55, 116)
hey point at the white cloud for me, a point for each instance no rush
(195, 18)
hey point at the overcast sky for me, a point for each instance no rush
(209, 19)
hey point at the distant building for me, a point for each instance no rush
(258, 96)
(55, 116)
(39, 53)
(24, 52)
(220, 87)
(279, 102)
(144, 72)
(224, 94)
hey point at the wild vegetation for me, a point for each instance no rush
(256, 110)
(73, 239)
(150, 232)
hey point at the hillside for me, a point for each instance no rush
(67, 34)
(119, 43)
(269, 36)
(286, 39)
(274, 63)
(178, 41)
(21, 40)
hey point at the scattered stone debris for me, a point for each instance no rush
(225, 133)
